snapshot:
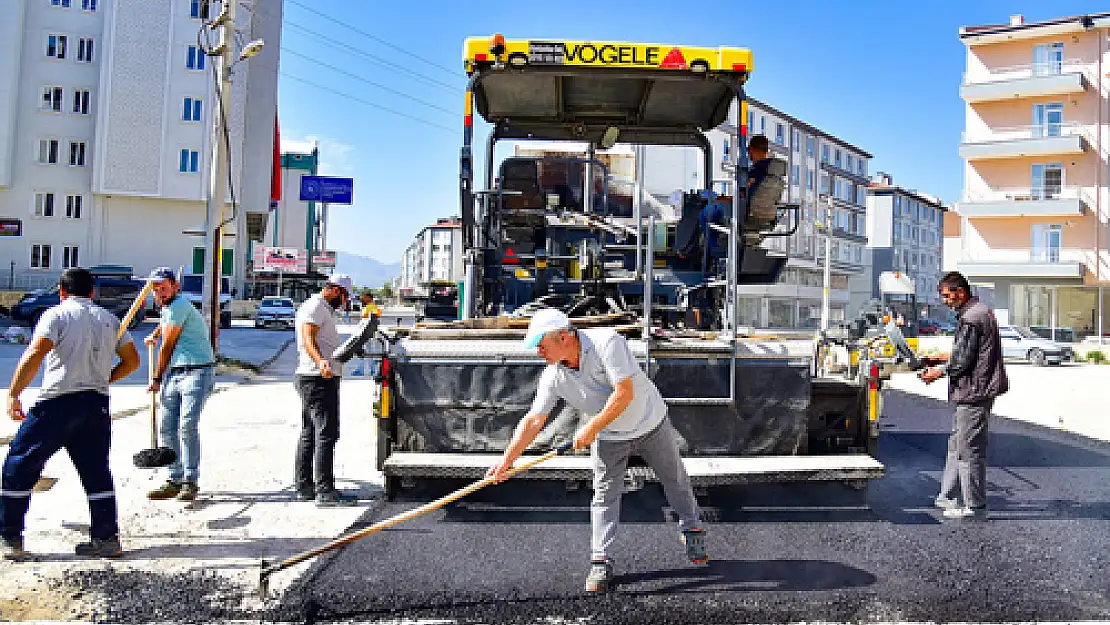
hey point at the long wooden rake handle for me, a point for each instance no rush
(135, 306)
(268, 569)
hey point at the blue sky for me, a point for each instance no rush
(883, 75)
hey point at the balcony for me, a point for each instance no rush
(1021, 202)
(1040, 265)
(1022, 141)
(1026, 81)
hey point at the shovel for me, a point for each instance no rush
(156, 456)
(269, 567)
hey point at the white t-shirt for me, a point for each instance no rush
(86, 339)
(318, 312)
(605, 361)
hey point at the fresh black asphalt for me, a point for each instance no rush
(517, 553)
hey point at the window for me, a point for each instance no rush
(193, 110)
(1048, 119)
(81, 101)
(60, 3)
(189, 162)
(809, 146)
(824, 154)
(861, 195)
(795, 173)
(198, 9)
(88, 5)
(780, 134)
(40, 256)
(809, 180)
(56, 46)
(1048, 59)
(44, 205)
(85, 49)
(51, 99)
(194, 59)
(1047, 181)
(69, 256)
(48, 151)
(861, 167)
(836, 158)
(73, 206)
(77, 153)
(763, 125)
(797, 141)
(1047, 239)
(851, 162)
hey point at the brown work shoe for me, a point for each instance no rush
(188, 492)
(169, 490)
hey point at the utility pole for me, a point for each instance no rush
(828, 266)
(217, 190)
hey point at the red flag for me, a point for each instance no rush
(275, 175)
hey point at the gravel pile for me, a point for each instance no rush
(130, 596)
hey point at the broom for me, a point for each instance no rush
(156, 456)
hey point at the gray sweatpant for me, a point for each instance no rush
(966, 465)
(659, 449)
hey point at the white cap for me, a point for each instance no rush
(545, 320)
(341, 280)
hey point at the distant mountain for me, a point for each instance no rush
(366, 271)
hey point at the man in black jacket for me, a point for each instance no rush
(976, 376)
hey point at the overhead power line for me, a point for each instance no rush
(383, 42)
(369, 82)
(370, 104)
(391, 65)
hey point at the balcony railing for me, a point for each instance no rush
(1017, 133)
(1025, 194)
(1028, 70)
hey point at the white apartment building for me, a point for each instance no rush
(905, 232)
(435, 255)
(822, 169)
(105, 135)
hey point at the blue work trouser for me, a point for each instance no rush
(184, 394)
(81, 424)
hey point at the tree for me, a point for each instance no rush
(387, 289)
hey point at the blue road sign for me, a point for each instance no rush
(327, 189)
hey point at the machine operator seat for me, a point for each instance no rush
(763, 203)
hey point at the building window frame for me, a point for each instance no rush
(48, 149)
(44, 204)
(52, 98)
(81, 98)
(78, 151)
(75, 204)
(195, 60)
(1048, 59)
(40, 256)
(70, 257)
(192, 109)
(188, 161)
(56, 46)
(85, 49)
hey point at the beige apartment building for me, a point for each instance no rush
(1033, 217)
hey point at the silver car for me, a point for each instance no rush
(275, 312)
(1020, 343)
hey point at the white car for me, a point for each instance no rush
(1020, 343)
(275, 312)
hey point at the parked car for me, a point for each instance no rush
(1062, 335)
(1021, 343)
(114, 293)
(275, 312)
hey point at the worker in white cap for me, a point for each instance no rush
(594, 371)
(317, 381)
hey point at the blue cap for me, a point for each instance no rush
(162, 274)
